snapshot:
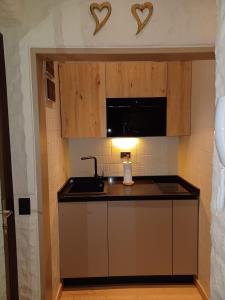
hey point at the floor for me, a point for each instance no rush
(146, 292)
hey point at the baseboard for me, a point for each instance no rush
(201, 290)
(59, 292)
(72, 282)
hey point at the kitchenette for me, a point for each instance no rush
(114, 227)
(124, 167)
(116, 134)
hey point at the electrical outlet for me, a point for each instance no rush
(125, 154)
(24, 206)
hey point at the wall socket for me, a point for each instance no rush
(24, 206)
(125, 154)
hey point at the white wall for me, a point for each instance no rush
(46, 23)
(218, 216)
(195, 157)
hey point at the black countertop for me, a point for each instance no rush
(144, 188)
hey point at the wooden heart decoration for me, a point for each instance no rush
(100, 7)
(142, 7)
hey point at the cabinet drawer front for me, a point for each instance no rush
(83, 239)
(140, 238)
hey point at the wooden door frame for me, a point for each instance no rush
(38, 85)
(7, 186)
(124, 54)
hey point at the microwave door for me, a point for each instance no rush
(131, 117)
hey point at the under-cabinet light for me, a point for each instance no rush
(124, 143)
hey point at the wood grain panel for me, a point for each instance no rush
(140, 238)
(185, 237)
(83, 104)
(179, 99)
(136, 79)
(57, 174)
(45, 233)
(125, 54)
(83, 239)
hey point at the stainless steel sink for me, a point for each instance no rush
(89, 186)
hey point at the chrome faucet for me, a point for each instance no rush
(95, 160)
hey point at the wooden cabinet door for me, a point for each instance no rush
(179, 99)
(83, 100)
(83, 239)
(140, 237)
(136, 79)
(185, 237)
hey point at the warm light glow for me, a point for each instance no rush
(124, 143)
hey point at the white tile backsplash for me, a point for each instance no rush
(151, 156)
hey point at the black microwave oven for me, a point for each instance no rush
(136, 117)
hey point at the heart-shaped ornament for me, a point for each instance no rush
(141, 8)
(100, 7)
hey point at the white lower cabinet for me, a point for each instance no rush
(140, 237)
(128, 238)
(185, 237)
(83, 239)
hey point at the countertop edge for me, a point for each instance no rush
(194, 191)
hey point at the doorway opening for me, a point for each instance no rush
(55, 151)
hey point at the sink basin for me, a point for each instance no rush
(87, 186)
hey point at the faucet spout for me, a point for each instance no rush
(95, 163)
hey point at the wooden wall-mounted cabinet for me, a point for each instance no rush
(179, 98)
(84, 88)
(136, 79)
(83, 105)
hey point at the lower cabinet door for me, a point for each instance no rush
(185, 237)
(83, 239)
(140, 237)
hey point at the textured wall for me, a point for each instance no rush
(151, 156)
(196, 153)
(46, 23)
(11, 12)
(23, 168)
(218, 216)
